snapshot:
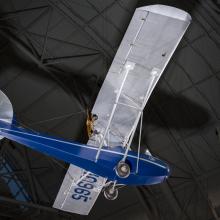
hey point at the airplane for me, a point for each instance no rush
(107, 162)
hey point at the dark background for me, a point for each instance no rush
(54, 56)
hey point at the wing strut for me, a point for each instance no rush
(154, 75)
(139, 142)
(128, 66)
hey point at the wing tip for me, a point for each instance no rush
(168, 11)
(6, 109)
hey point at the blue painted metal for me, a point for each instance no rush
(150, 171)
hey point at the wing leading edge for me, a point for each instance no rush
(148, 44)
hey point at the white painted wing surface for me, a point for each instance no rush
(149, 42)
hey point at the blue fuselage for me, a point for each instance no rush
(150, 169)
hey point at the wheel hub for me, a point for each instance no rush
(122, 169)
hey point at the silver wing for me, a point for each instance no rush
(149, 42)
(73, 197)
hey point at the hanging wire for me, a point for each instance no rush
(43, 121)
(58, 117)
(52, 159)
(24, 126)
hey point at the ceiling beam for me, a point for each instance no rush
(89, 32)
(151, 214)
(183, 148)
(56, 60)
(30, 176)
(34, 205)
(25, 50)
(173, 201)
(14, 14)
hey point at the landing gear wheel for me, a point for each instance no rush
(110, 192)
(122, 169)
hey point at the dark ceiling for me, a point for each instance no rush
(54, 57)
